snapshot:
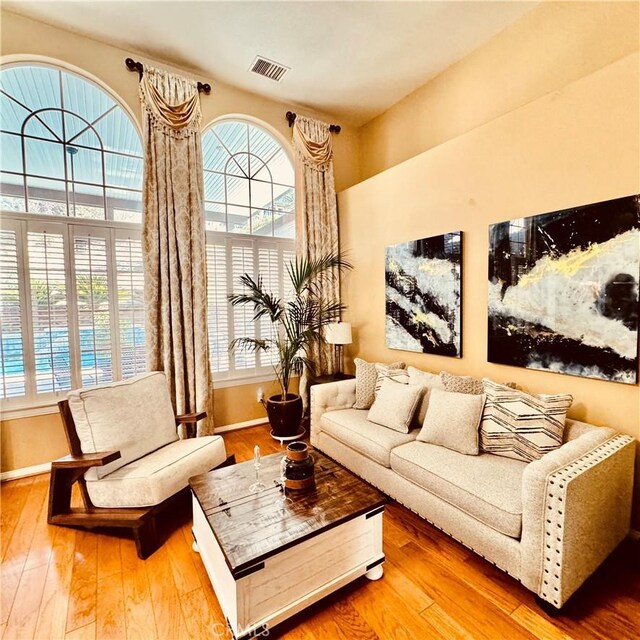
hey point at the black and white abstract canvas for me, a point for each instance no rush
(423, 295)
(563, 291)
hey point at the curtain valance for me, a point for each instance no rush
(172, 102)
(313, 143)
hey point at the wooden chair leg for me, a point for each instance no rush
(146, 537)
(60, 485)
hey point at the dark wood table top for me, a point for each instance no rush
(251, 527)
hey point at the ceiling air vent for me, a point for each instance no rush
(268, 68)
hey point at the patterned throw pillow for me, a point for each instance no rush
(461, 384)
(386, 372)
(427, 382)
(394, 405)
(366, 376)
(521, 425)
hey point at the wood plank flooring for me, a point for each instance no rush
(60, 583)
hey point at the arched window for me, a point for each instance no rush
(71, 277)
(248, 181)
(249, 215)
(69, 148)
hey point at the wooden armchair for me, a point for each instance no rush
(127, 459)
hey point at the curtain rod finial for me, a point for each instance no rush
(291, 117)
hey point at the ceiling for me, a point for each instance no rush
(350, 59)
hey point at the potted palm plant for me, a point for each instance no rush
(297, 325)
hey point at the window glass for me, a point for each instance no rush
(58, 126)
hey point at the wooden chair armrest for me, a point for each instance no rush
(85, 460)
(188, 418)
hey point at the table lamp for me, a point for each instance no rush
(338, 334)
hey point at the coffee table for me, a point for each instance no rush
(269, 558)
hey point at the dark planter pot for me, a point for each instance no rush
(285, 416)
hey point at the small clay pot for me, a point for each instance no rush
(299, 470)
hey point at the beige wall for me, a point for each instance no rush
(553, 45)
(577, 145)
(31, 441)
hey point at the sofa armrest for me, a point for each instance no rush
(576, 509)
(329, 397)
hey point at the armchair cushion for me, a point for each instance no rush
(134, 416)
(155, 477)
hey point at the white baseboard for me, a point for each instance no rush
(25, 472)
(242, 425)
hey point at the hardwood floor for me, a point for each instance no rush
(61, 583)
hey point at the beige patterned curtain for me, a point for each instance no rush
(174, 241)
(316, 214)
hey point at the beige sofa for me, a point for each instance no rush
(548, 523)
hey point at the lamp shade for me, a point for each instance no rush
(338, 333)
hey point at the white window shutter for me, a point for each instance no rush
(130, 290)
(217, 307)
(48, 283)
(12, 363)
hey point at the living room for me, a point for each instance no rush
(450, 119)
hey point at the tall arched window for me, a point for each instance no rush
(249, 215)
(71, 283)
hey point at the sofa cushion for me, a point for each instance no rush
(351, 428)
(159, 475)
(521, 425)
(486, 487)
(452, 421)
(134, 416)
(395, 405)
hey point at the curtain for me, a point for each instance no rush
(174, 242)
(316, 216)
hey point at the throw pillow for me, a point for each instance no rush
(394, 405)
(452, 421)
(461, 384)
(366, 376)
(521, 425)
(384, 373)
(426, 381)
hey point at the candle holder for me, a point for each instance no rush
(258, 485)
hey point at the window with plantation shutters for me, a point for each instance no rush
(71, 308)
(71, 275)
(249, 217)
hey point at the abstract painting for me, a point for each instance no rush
(563, 291)
(423, 295)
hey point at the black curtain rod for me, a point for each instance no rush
(132, 65)
(291, 118)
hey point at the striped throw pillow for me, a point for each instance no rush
(389, 373)
(521, 425)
